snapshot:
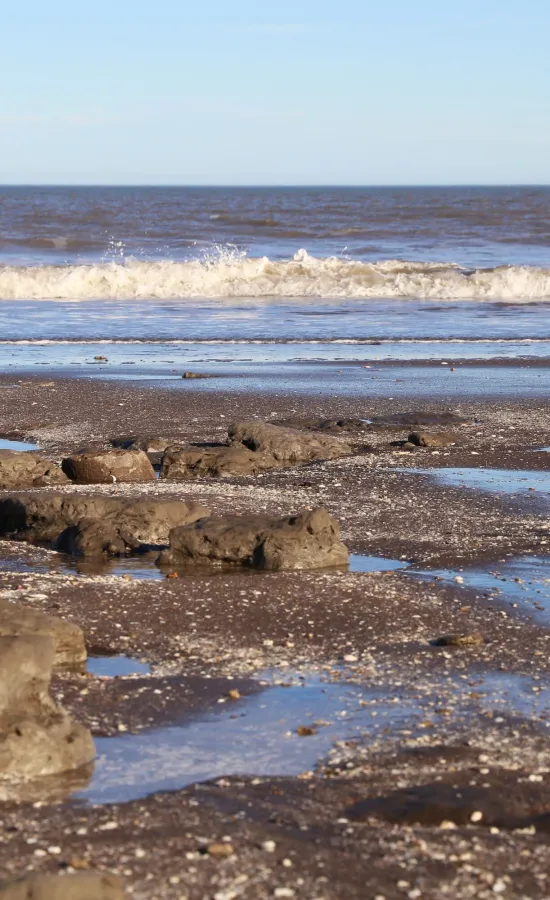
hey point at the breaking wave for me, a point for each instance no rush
(233, 275)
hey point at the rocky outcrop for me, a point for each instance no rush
(20, 469)
(45, 517)
(68, 639)
(310, 540)
(37, 737)
(81, 886)
(213, 462)
(109, 467)
(287, 446)
(431, 439)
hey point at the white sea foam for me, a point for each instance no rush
(303, 277)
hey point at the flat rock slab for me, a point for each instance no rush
(68, 638)
(22, 469)
(213, 462)
(109, 467)
(85, 886)
(44, 517)
(287, 446)
(37, 738)
(432, 439)
(310, 540)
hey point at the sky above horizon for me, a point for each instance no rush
(293, 92)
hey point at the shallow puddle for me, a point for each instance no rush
(143, 567)
(16, 445)
(505, 481)
(116, 666)
(258, 735)
(524, 582)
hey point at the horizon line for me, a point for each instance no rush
(109, 184)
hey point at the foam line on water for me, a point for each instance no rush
(232, 274)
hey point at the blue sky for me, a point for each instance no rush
(301, 92)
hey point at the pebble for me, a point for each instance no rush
(269, 846)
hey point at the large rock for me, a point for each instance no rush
(287, 446)
(212, 462)
(310, 540)
(44, 517)
(68, 639)
(431, 439)
(82, 886)
(37, 737)
(109, 467)
(21, 469)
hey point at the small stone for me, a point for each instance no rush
(284, 892)
(220, 850)
(476, 816)
(234, 694)
(269, 846)
(305, 731)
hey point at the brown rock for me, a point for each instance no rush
(21, 469)
(44, 517)
(109, 467)
(37, 737)
(428, 439)
(310, 540)
(212, 462)
(287, 446)
(68, 639)
(89, 886)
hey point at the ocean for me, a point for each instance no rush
(333, 271)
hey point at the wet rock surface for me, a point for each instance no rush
(37, 738)
(84, 886)
(67, 638)
(26, 470)
(120, 520)
(310, 540)
(109, 467)
(287, 446)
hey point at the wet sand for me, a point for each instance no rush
(470, 719)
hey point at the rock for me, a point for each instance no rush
(154, 447)
(37, 737)
(85, 886)
(287, 446)
(474, 639)
(23, 469)
(212, 462)
(108, 467)
(44, 517)
(68, 639)
(187, 375)
(95, 537)
(310, 540)
(427, 439)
